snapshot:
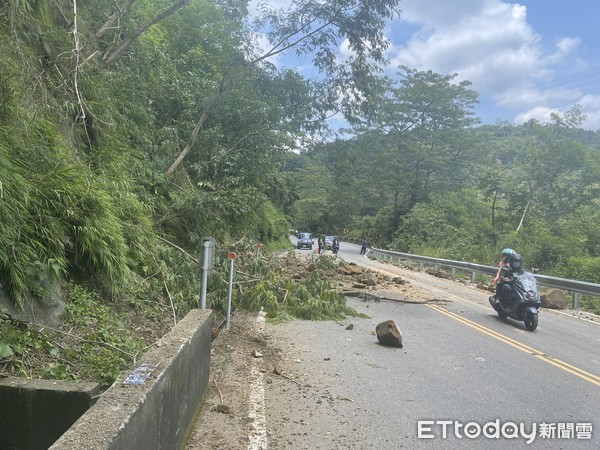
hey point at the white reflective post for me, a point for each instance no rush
(208, 257)
(205, 267)
(232, 258)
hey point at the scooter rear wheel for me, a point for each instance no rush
(531, 322)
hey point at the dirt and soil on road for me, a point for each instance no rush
(226, 420)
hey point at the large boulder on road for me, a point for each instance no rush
(351, 269)
(368, 279)
(554, 299)
(438, 273)
(389, 334)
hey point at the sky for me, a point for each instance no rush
(526, 59)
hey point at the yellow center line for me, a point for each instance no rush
(584, 375)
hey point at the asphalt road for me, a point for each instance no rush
(460, 365)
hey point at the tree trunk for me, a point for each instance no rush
(91, 45)
(188, 146)
(118, 52)
(523, 216)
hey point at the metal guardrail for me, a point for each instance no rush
(573, 286)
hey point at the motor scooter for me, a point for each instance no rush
(525, 301)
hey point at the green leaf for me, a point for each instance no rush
(5, 350)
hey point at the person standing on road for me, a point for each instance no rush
(321, 244)
(363, 246)
(335, 245)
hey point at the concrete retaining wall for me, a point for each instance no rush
(153, 406)
(34, 413)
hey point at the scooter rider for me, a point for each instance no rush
(505, 255)
(503, 262)
(335, 245)
(517, 296)
(504, 288)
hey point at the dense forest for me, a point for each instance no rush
(131, 129)
(462, 193)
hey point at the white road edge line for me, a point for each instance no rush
(573, 315)
(256, 413)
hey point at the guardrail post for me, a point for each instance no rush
(453, 273)
(575, 300)
(473, 274)
(421, 266)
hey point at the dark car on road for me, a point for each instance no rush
(305, 240)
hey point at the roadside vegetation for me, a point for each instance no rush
(99, 339)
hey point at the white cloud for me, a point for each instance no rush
(564, 47)
(590, 104)
(529, 97)
(540, 113)
(490, 43)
